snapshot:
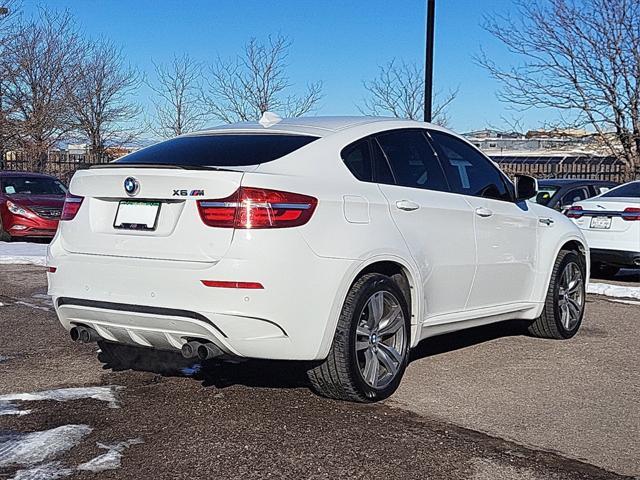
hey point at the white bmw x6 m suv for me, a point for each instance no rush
(342, 241)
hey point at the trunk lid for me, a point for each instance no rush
(178, 234)
(607, 207)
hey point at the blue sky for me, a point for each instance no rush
(338, 42)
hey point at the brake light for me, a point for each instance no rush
(251, 208)
(631, 213)
(574, 212)
(72, 204)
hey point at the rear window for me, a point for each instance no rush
(226, 150)
(630, 190)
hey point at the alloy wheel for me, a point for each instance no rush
(380, 339)
(571, 296)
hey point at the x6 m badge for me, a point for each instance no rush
(188, 193)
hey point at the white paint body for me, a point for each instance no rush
(463, 269)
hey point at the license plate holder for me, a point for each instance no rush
(600, 223)
(137, 215)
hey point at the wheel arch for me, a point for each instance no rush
(407, 277)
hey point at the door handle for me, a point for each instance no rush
(407, 205)
(546, 221)
(483, 212)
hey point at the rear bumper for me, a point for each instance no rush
(620, 258)
(162, 304)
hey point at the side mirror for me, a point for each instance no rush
(526, 187)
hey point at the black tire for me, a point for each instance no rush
(602, 270)
(549, 324)
(126, 357)
(339, 376)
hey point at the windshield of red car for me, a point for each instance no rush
(31, 186)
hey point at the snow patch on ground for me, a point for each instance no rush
(27, 449)
(23, 253)
(46, 471)
(110, 460)
(105, 394)
(611, 290)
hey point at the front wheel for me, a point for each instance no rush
(370, 348)
(564, 305)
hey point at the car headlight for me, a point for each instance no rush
(18, 210)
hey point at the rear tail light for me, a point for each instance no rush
(252, 208)
(630, 214)
(574, 212)
(72, 204)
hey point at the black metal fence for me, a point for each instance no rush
(599, 168)
(59, 164)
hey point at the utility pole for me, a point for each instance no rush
(428, 63)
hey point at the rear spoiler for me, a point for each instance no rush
(159, 165)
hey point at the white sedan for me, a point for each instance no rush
(339, 240)
(611, 224)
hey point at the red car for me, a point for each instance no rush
(30, 205)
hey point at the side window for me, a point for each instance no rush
(412, 160)
(381, 171)
(357, 158)
(468, 172)
(574, 195)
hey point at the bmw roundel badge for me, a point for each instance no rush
(131, 186)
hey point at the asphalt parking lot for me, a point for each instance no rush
(484, 404)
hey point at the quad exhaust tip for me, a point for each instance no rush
(204, 351)
(83, 334)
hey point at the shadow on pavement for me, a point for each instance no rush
(467, 338)
(277, 374)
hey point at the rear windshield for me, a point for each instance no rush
(31, 186)
(630, 190)
(227, 150)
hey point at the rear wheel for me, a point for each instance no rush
(564, 305)
(370, 348)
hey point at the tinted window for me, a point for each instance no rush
(31, 186)
(468, 171)
(223, 150)
(381, 171)
(574, 195)
(357, 158)
(630, 190)
(412, 160)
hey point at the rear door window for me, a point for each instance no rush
(467, 170)
(221, 150)
(412, 160)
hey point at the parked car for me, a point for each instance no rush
(341, 240)
(560, 193)
(611, 224)
(30, 205)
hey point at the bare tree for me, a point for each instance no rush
(41, 56)
(178, 106)
(580, 58)
(398, 91)
(100, 97)
(8, 13)
(256, 81)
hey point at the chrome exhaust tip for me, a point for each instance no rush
(83, 334)
(209, 350)
(190, 349)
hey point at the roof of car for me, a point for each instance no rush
(572, 181)
(317, 126)
(13, 173)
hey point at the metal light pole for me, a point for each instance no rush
(428, 62)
